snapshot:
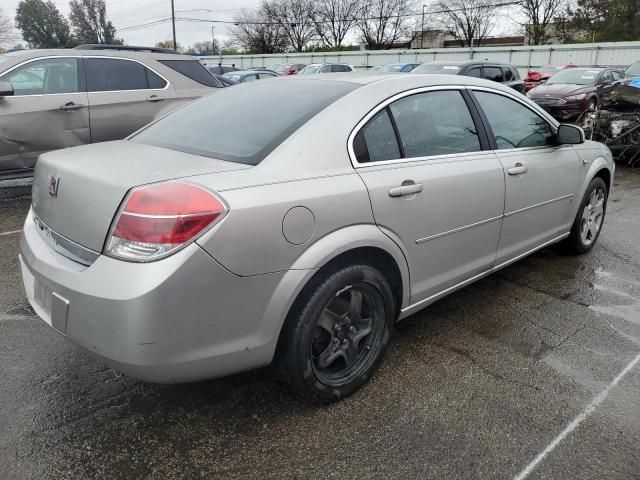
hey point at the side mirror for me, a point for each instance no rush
(569, 135)
(6, 89)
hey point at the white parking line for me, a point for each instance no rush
(10, 233)
(589, 409)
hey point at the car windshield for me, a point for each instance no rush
(245, 123)
(310, 69)
(437, 68)
(547, 69)
(392, 68)
(281, 68)
(634, 69)
(574, 76)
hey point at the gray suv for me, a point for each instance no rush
(51, 99)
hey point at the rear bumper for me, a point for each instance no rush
(180, 319)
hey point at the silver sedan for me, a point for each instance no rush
(294, 221)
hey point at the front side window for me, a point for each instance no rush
(494, 74)
(508, 74)
(111, 74)
(46, 76)
(435, 123)
(513, 124)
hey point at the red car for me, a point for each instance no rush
(287, 68)
(540, 75)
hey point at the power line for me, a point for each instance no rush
(232, 22)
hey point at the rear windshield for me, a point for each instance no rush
(437, 68)
(192, 69)
(574, 76)
(245, 123)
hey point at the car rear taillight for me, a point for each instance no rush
(157, 220)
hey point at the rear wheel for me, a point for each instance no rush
(336, 334)
(588, 222)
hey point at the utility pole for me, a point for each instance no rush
(173, 23)
(213, 40)
(422, 28)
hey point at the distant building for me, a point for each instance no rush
(443, 39)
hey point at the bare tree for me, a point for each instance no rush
(468, 21)
(334, 19)
(384, 22)
(538, 15)
(255, 33)
(7, 33)
(296, 19)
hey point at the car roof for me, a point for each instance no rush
(463, 63)
(401, 64)
(363, 78)
(22, 55)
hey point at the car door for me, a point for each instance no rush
(541, 177)
(432, 187)
(47, 111)
(124, 95)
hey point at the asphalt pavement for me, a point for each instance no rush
(533, 372)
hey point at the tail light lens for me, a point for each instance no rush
(157, 220)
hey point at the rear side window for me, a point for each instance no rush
(109, 74)
(513, 124)
(430, 123)
(494, 74)
(377, 141)
(245, 123)
(474, 72)
(435, 123)
(192, 69)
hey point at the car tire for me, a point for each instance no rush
(336, 333)
(588, 223)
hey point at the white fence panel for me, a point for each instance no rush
(602, 54)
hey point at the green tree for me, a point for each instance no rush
(90, 24)
(42, 25)
(608, 20)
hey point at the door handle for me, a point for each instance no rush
(71, 107)
(518, 169)
(410, 189)
(155, 99)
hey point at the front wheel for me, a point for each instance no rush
(336, 333)
(588, 222)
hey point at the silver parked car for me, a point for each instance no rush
(294, 221)
(52, 99)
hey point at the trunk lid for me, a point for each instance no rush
(92, 181)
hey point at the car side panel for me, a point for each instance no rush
(33, 124)
(116, 115)
(257, 218)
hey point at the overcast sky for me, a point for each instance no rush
(129, 13)
(129, 17)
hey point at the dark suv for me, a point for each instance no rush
(504, 73)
